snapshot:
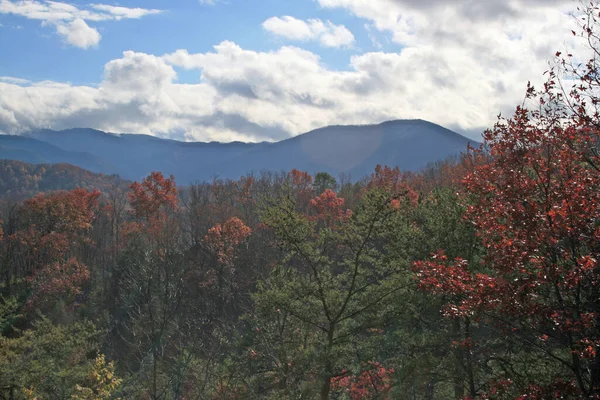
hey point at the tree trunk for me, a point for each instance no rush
(328, 371)
(459, 359)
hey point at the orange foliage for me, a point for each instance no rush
(394, 182)
(301, 186)
(67, 212)
(223, 239)
(245, 188)
(153, 194)
(154, 202)
(329, 207)
(54, 224)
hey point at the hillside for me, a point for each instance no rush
(354, 150)
(19, 180)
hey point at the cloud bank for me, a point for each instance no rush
(459, 65)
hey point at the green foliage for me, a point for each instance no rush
(319, 304)
(324, 181)
(47, 361)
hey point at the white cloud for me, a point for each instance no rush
(69, 20)
(118, 12)
(327, 33)
(79, 34)
(16, 81)
(457, 67)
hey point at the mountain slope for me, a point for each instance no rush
(355, 150)
(41, 152)
(20, 180)
(134, 156)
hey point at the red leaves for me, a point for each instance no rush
(328, 207)
(153, 194)
(59, 280)
(385, 177)
(53, 225)
(245, 185)
(536, 208)
(394, 182)
(223, 239)
(154, 202)
(67, 212)
(471, 291)
(375, 382)
(302, 186)
(559, 389)
(301, 180)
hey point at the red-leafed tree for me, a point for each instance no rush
(154, 203)
(153, 195)
(393, 181)
(329, 208)
(374, 382)
(151, 278)
(536, 208)
(301, 185)
(51, 229)
(61, 280)
(223, 241)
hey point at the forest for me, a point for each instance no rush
(475, 278)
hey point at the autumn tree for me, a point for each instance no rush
(48, 247)
(222, 242)
(151, 271)
(535, 206)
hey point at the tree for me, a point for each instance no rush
(48, 245)
(152, 270)
(536, 209)
(101, 382)
(47, 361)
(324, 181)
(223, 241)
(331, 286)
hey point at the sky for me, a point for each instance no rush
(266, 70)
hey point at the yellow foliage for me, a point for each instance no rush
(102, 382)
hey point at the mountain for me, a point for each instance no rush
(34, 151)
(135, 155)
(354, 150)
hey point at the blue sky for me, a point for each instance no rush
(37, 53)
(269, 69)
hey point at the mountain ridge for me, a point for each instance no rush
(350, 149)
